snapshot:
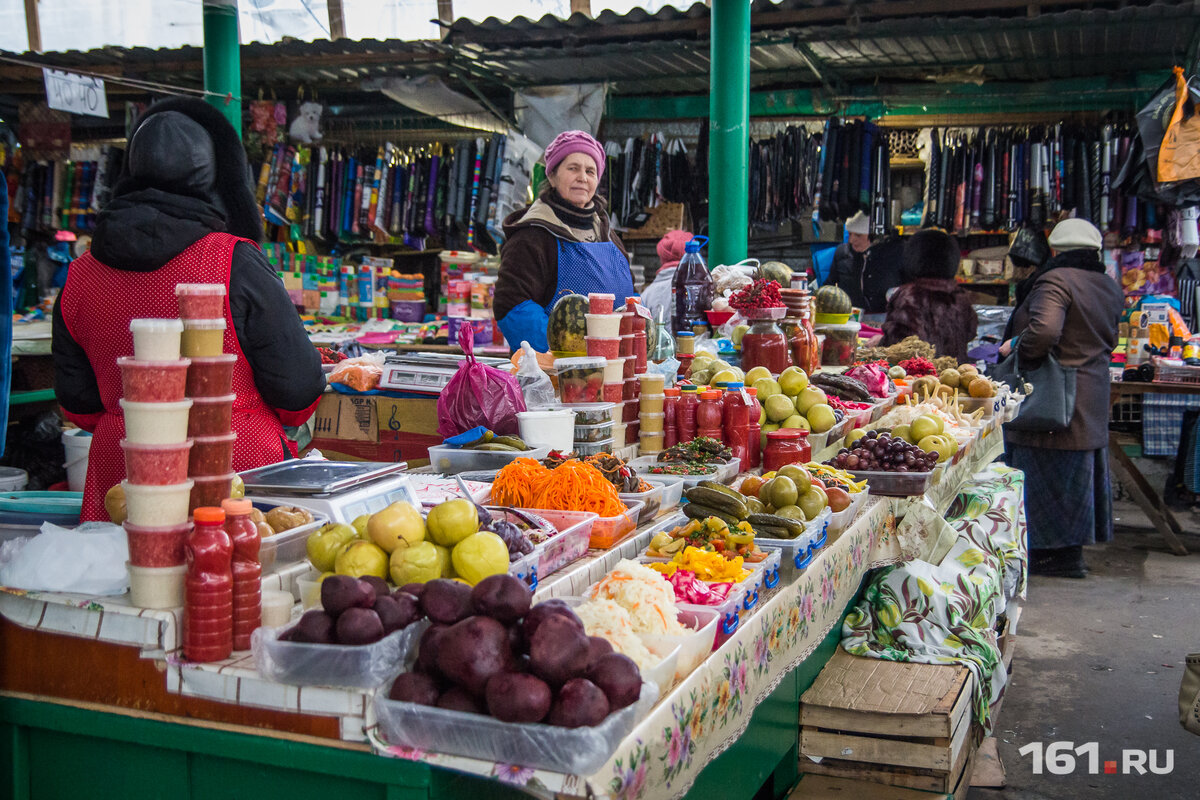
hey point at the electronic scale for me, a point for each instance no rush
(341, 490)
(427, 373)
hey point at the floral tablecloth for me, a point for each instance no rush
(709, 710)
(946, 612)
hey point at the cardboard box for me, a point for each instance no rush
(376, 428)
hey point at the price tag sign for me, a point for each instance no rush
(66, 91)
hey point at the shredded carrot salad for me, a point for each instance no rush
(571, 486)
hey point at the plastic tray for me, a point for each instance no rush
(694, 646)
(991, 405)
(287, 547)
(607, 531)
(362, 667)
(666, 494)
(894, 484)
(796, 554)
(820, 441)
(453, 460)
(744, 591)
(576, 751)
(723, 473)
(571, 542)
(841, 520)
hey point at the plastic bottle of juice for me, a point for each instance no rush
(736, 418)
(691, 287)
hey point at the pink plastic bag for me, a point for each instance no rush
(478, 395)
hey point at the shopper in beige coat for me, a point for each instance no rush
(1072, 311)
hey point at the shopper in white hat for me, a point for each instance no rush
(849, 257)
(1072, 311)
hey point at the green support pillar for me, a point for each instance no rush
(729, 132)
(222, 59)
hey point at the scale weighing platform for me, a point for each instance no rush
(427, 373)
(341, 490)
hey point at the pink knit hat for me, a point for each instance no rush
(670, 247)
(569, 142)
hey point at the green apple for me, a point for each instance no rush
(809, 397)
(792, 381)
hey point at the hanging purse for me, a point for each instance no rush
(1051, 404)
(1189, 695)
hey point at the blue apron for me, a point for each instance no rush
(583, 267)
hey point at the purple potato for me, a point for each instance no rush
(619, 678)
(598, 647)
(502, 597)
(446, 601)
(516, 697)
(543, 611)
(579, 702)
(415, 589)
(390, 615)
(315, 627)
(358, 626)
(411, 687)
(470, 652)
(559, 650)
(378, 584)
(340, 592)
(427, 649)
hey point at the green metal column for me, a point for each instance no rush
(729, 132)
(222, 59)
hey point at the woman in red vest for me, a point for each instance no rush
(183, 211)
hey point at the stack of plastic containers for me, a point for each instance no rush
(651, 416)
(209, 386)
(604, 341)
(156, 447)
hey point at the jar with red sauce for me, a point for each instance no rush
(755, 429)
(208, 588)
(786, 446)
(671, 417)
(685, 414)
(764, 345)
(736, 417)
(247, 571)
(709, 415)
(802, 339)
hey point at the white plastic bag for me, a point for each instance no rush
(87, 560)
(535, 384)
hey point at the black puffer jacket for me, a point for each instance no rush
(187, 177)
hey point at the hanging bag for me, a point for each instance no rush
(1179, 156)
(1051, 404)
(478, 395)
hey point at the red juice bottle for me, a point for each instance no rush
(247, 571)
(736, 417)
(208, 595)
(671, 417)
(685, 415)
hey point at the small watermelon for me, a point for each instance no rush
(568, 324)
(777, 271)
(832, 300)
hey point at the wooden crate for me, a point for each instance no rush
(663, 218)
(899, 724)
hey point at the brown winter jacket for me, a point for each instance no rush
(935, 310)
(529, 255)
(1072, 313)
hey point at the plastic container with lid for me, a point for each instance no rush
(211, 455)
(626, 325)
(604, 326)
(651, 423)
(210, 491)
(600, 303)
(755, 440)
(650, 443)
(671, 420)
(203, 337)
(786, 446)
(211, 416)
(614, 371)
(156, 464)
(156, 423)
(709, 415)
(594, 433)
(630, 410)
(632, 429)
(156, 339)
(651, 403)
(594, 413)
(200, 300)
(606, 348)
(157, 547)
(580, 380)
(689, 400)
(626, 347)
(547, 427)
(736, 419)
(837, 350)
(153, 381)
(585, 449)
(157, 506)
(613, 392)
(652, 383)
(685, 343)
(629, 368)
(156, 587)
(211, 377)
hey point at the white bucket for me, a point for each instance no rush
(77, 443)
(554, 428)
(13, 479)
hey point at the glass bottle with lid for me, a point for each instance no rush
(786, 446)
(764, 344)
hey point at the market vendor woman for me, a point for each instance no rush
(183, 211)
(562, 243)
